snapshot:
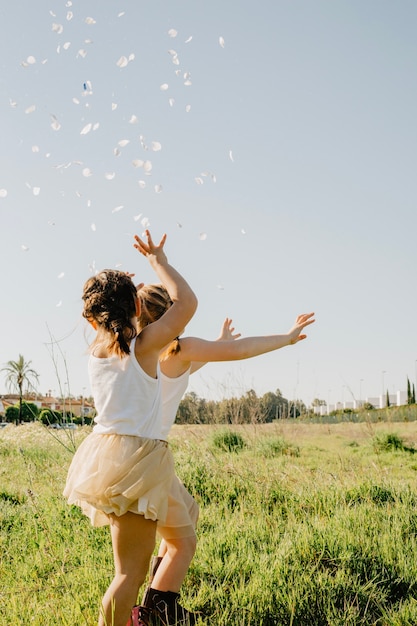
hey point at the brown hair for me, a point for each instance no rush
(110, 301)
(154, 302)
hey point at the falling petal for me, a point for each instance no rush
(93, 227)
(243, 231)
(59, 304)
(145, 222)
(31, 60)
(86, 129)
(76, 101)
(164, 87)
(171, 102)
(220, 287)
(35, 148)
(173, 53)
(189, 39)
(133, 119)
(24, 248)
(142, 184)
(231, 156)
(36, 191)
(123, 142)
(90, 20)
(61, 275)
(131, 56)
(179, 225)
(82, 53)
(221, 42)
(88, 203)
(87, 172)
(116, 152)
(137, 217)
(158, 188)
(178, 72)
(70, 15)
(3, 193)
(113, 106)
(30, 109)
(117, 208)
(188, 108)
(175, 60)
(156, 146)
(187, 83)
(24, 64)
(137, 163)
(110, 175)
(88, 41)
(203, 236)
(96, 125)
(121, 14)
(66, 45)
(55, 125)
(57, 28)
(199, 180)
(13, 103)
(147, 166)
(122, 62)
(172, 32)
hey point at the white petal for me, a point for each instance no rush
(116, 152)
(96, 125)
(231, 156)
(177, 72)
(164, 87)
(36, 191)
(199, 180)
(57, 28)
(187, 83)
(24, 64)
(31, 60)
(90, 20)
(76, 101)
(175, 60)
(123, 142)
(188, 108)
(173, 53)
(220, 287)
(70, 15)
(141, 184)
(66, 45)
(110, 175)
(117, 208)
(172, 32)
(61, 275)
(86, 129)
(147, 166)
(55, 125)
(88, 203)
(137, 163)
(131, 56)
(30, 109)
(58, 304)
(121, 14)
(133, 119)
(24, 248)
(171, 102)
(82, 53)
(243, 231)
(221, 42)
(113, 106)
(145, 222)
(156, 146)
(35, 148)
(122, 62)
(93, 227)
(13, 103)
(189, 39)
(87, 172)
(158, 188)
(203, 236)
(3, 193)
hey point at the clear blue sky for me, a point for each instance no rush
(299, 119)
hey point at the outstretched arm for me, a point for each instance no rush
(226, 334)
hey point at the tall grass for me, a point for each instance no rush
(300, 525)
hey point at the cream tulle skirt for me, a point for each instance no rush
(120, 473)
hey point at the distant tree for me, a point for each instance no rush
(387, 401)
(12, 414)
(19, 374)
(409, 392)
(413, 397)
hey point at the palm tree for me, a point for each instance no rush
(17, 374)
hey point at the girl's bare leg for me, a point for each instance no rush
(178, 554)
(133, 540)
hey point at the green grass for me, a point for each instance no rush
(300, 525)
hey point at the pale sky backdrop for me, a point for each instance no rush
(275, 143)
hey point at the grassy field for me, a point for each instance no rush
(301, 525)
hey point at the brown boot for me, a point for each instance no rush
(165, 605)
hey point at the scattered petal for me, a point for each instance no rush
(76, 101)
(59, 304)
(121, 13)
(82, 53)
(116, 152)
(142, 184)
(93, 227)
(158, 188)
(86, 129)
(57, 28)
(35, 148)
(131, 56)
(138, 163)
(30, 109)
(243, 231)
(133, 119)
(123, 142)
(117, 208)
(179, 225)
(55, 125)
(24, 248)
(66, 45)
(87, 172)
(90, 20)
(147, 166)
(221, 42)
(164, 87)
(203, 236)
(189, 39)
(3, 193)
(156, 146)
(172, 32)
(113, 106)
(70, 15)
(110, 175)
(220, 287)
(36, 191)
(61, 275)
(145, 222)
(231, 156)
(96, 125)
(31, 60)
(187, 83)
(199, 180)
(171, 102)
(13, 103)
(122, 62)
(188, 108)
(137, 217)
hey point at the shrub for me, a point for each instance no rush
(229, 441)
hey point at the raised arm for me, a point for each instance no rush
(226, 334)
(173, 322)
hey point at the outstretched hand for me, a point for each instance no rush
(227, 332)
(152, 251)
(303, 320)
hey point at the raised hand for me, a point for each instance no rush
(303, 320)
(227, 331)
(152, 251)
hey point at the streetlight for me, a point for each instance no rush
(360, 392)
(383, 387)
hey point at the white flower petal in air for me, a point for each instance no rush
(147, 166)
(3, 193)
(82, 53)
(13, 103)
(96, 125)
(158, 188)
(220, 287)
(87, 172)
(35, 148)
(110, 175)
(243, 231)
(31, 60)
(121, 13)
(66, 45)
(70, 15)
(61, 275)
(88, 203)
(58, 304)
(117, 208)
(24, 248)
(188, 108)
(199, 180)
(173, 53)
(202, 236)
(36, 191)
(176, 61)
(189, 39)
(76, 101)
(142, 184)
(137, 217)
(131, 56)
(187, 83)
(30, 109)
(231, 156)
(116, 152)
(122, 62)
(137, 163)
(93, 227)
(113, 106)
(164, 87)
(145, 222)
(177, 72)
(90, 20)
(172, 32)
(123, 143)
(156, 146)
(221, 42)
(24, 64)
(133, 119)
(55, 125)
(171, 102)
(86, 129)
(57, 28)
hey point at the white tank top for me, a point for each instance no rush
(172, 390)
(127, 400)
